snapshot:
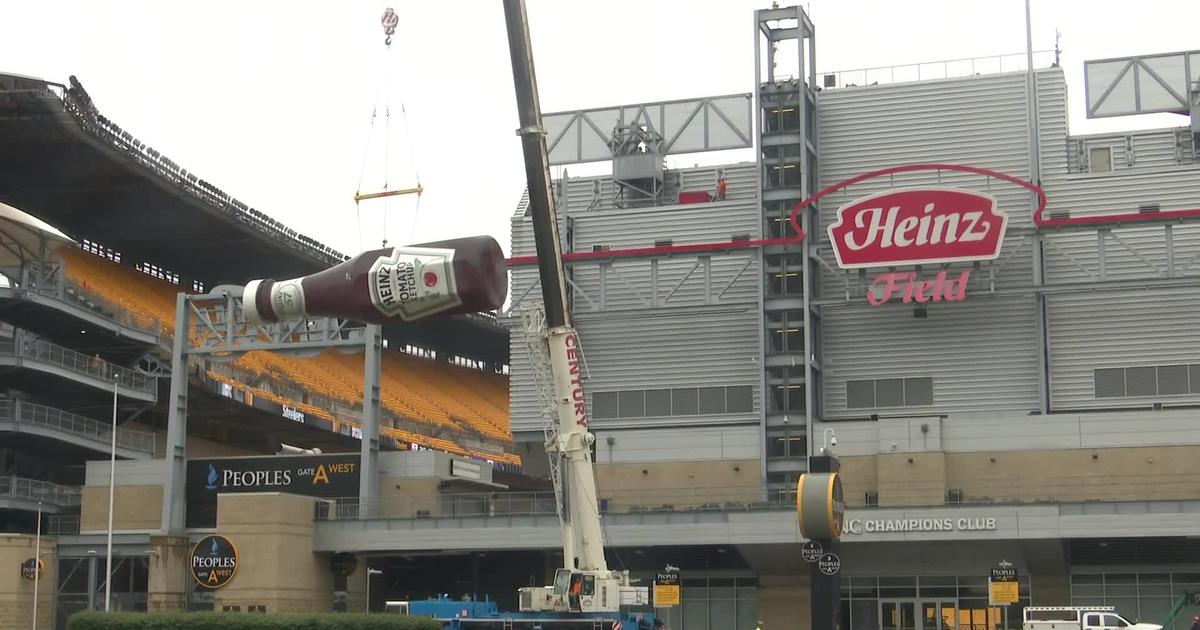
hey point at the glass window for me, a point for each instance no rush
(1092, 620)
(1114, 621)
(604, 404)
(1194, 378)
(1109, 382)
(1140, 381)
(1172, 379)
(860, 394)
(889, 392)
(658, 402)
(1100, 159)
(712, 400)
(684, 402)
(777, 446)
(632, 404)
(918, 391)
(738, 399)
(795, 397)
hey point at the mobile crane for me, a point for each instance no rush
(584, 587)
(586, 593)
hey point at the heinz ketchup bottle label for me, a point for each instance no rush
(414, 282)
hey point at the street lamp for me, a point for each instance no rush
(370, 572)
(112, 477)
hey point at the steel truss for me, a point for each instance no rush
(696, 281)
(213, 325)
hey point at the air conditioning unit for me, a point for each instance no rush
(872, 498)
(953, 497)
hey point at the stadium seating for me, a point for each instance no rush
(452, 400)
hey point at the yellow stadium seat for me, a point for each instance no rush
(450, 399)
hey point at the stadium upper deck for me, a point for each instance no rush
(71, 166)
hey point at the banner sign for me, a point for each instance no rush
(32, 569)
(327, 476)
(666, 589)
(213, 561)
(1003, 589)
(918, 226)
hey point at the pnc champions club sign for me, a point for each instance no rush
(326, 476)
(929, 226)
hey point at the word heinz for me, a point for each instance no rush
(906, 285)
(917, 226)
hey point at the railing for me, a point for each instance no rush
(14, 487)
(1060, 489)
(62, 524)
(78, 103)
(77, 362)
(66, 422)
(515, 504)
(944, 69)
(75, 295)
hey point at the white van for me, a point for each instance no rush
(1080, 618)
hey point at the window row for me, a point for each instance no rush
(1155, 380)
(889, 392)
(688, 401)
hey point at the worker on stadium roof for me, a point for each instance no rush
(721, 186)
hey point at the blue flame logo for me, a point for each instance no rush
(215, 550)
(212, 478)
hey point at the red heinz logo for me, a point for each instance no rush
(917, 226)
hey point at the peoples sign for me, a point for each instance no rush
(918, 226)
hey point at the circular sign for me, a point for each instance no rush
(811, 551)
(343, 563)
(213, 561)
(29, 573)
(829, 564)
(820, 507)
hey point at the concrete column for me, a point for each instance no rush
(169, 580)
(16, 593)
(277, 567)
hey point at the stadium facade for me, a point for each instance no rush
(1033, 402)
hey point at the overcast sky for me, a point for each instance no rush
(271, 101)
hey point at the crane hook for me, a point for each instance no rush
(389, 21)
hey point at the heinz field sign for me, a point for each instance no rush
(918, 226)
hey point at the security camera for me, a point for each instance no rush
(833, 440)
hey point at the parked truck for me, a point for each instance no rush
(1080, 618)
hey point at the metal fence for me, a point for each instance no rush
(1059, 489)
(33, 414)
(14, 487)
(515, 504)
(62, 524)
(945, 69)
(78, 362)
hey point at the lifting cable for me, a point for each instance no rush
(389, 21)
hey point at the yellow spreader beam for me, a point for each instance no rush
(389, 193)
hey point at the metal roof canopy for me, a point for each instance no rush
(708, 123)
(24, 238)
(1143, 84)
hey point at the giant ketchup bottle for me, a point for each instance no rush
(463, 275)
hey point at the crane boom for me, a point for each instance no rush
(584, 584)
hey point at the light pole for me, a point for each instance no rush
(112, 477)
(37, 563)
(370, 572)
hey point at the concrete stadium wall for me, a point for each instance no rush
(16, 593)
